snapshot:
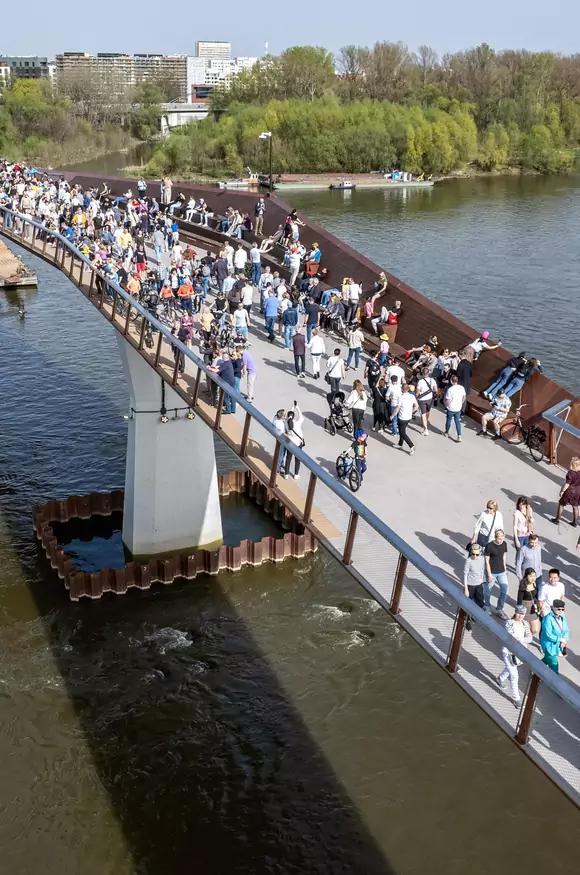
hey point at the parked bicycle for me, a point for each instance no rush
(515, 432)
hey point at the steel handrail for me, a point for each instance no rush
(551, 415)
(561, 687)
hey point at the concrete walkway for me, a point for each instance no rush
(432, 499)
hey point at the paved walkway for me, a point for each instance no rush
(432, 499)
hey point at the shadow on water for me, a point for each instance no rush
(201, 752)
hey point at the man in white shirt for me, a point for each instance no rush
(394, 370)
(335, 371)
(553, 589)
(248, 297)
(317, 349)
(240, 259)
(353, 299)
(426, 388)
(454, 399)
(404, 412)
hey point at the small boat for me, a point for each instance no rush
(345, 185)
(18, 281)
(244, 182)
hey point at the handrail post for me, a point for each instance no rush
(218, 413)
(196, 388)
(552, 444)
(92, 283)
(34, 230)
(307, 515)
(45, 244)
(274, 468)
(245, 435)
(456, 639)
(142, 334)
(81, 276)
(525, 721)
(350, 536)
(175, 367)
(158, 350)
(126, 328)
(398, 585)
(114, 308)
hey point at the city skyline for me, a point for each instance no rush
(512, 24)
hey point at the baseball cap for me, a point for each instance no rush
(558, 603)
(520, 609)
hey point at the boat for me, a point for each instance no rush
(345, 185)
(13, 272)
(17, 282)
(251, 179)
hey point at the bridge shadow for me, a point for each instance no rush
(202, 754)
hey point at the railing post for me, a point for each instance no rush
(81, 276)
(398, 585)
(350, 536)
(552, 444)
(523, 730)
(245, 435)
(114, 308)
(274, 468)
(126, 328)
(218, 413)
(92, 283)
(63, 256)
(44, 245)
(158, 350)
(309, 498)
(175, 367)
(456, 638)
(196, 388)
(34, 230)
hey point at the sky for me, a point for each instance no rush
(446, 25)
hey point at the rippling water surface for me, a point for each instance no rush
(270, 721)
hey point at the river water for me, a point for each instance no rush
(269, 721)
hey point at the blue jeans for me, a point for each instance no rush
(229, 404)
(502, 582)
(158, 253)
(515, 386)
(309, 329)
(395, 424)
(270, 322)
(243, 330)
(453, 417)
(289, 332)
(237, 381)
(356, 354)
(205, 283)
(500, 382)
(256, 273)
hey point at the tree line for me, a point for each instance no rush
(369, 108)
(77, 119)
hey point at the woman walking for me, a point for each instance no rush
(404, 411)
(473, 577)
(528, 597)
(294, 433)
(357, 402)
(570, 492)
(486, 525)
(380, 410)
(523, 524)
(520, 629)
(335, 371)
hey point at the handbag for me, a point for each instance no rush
(327, 378)
(468, 547)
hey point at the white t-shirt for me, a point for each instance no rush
(406, 406)
(241, 318)
(247, 295)
(333, 367)
(396, 371)
(255, 256)
(240, 258)
(353, 293)
(425, 388)
(548, 594)
(454, 398)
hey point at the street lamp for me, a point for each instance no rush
(267, 135)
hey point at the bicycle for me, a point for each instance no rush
(346, 469)
(515, 432)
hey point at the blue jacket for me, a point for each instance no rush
(290, 316)
(551, 633)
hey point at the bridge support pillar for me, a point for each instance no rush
(171, 490)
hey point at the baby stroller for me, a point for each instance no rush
(338, 417)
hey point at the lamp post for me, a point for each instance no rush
(267, 135)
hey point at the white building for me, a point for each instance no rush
(204, 49)
(215, 71)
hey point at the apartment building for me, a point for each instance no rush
(120, 71)
(205, 49)
(25, 67)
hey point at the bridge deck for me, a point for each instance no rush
(431, 500)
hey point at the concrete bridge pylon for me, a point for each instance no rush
(171, 487)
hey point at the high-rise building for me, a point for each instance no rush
(26, 66)
(125, 71)
(204, 49)
(205, 73)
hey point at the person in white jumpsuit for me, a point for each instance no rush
(520, 629)
(317, 350)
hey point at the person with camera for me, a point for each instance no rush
(520, 629)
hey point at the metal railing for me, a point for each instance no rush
(105, 295)
(552, 415)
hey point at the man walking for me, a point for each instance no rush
(554, 635)
(290, 323)
(250, 371)
(496, 571)
(312, 312)
(299, 347)
(403, 413)
(271, 314)
(454, 399)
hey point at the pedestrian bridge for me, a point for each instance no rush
(423, 599)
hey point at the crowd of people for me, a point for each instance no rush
(215, 299)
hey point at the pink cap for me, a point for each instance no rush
(484, 335)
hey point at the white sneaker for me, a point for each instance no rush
(425, 432)
(286, 476)
(459, 439)
(411, 451)
(297, 476)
